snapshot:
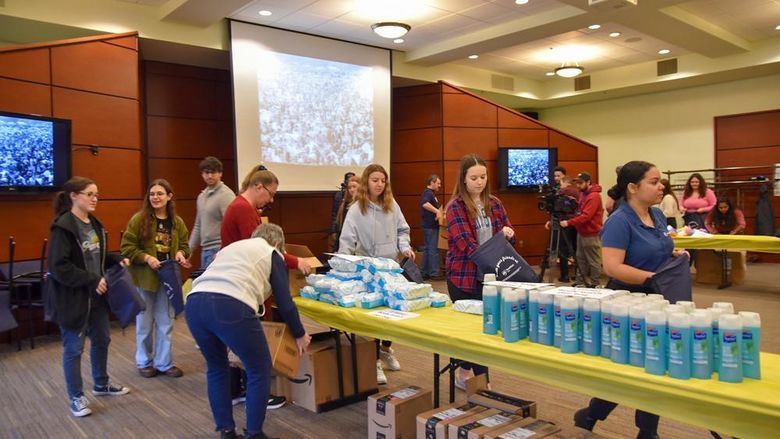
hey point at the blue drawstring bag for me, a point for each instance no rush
(496, 255)
(170, 282)
(123, 298)
(673, 279)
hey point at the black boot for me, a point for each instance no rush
(582, 419)
(643, 434)
(230, 434)
(259, 435)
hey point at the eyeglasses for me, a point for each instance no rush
(272, 194)
(91, 195)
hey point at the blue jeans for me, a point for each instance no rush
(154, 324)
(73, 344)
(430, 262)
(206, 256)
(218, 322)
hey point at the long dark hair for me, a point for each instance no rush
(62, 201)
(631, 172)
(688, 191)
(724, 221)
(668, 189)
(467, 162)
(147, 211)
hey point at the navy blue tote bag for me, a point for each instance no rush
(170, 282)
(122, 295)
(498, 256)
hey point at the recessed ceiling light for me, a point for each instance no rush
(615, 34)
(521, 2)
(664, 51)
(398, 40)
(473, 56)
(777, 27)
(265, 13)
(594, 26)
(550, 74)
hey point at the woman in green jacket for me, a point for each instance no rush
(154, 235)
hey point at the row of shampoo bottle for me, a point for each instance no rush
(636, 344)
(680, 345)
(730, 328)
(591, 326)
(619, 332)
(751, 340)
(715, 314)
(655, 342)
(557, 320)
(491, 310)
(533, 316)
(569, 325)
(702, 344)
(545, 318)
(606, 329)
(510, 315)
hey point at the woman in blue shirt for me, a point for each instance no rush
(634, 245)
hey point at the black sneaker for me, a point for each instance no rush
(79, 406)
(275, 402)
(110, 389)
(230, 434)
(239, 399)
(582, 420)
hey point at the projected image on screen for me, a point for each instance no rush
(528, 167)
(26, 152)
(315, 112)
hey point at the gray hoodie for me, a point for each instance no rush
(376, 234)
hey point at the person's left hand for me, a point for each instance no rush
(564, 223)
(508, 232)
(303, 266)
(408, 253)
(678, 253)
(124, 262)
(182, 260)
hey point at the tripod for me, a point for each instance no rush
(552, 252)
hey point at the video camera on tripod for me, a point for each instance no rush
(556, 204)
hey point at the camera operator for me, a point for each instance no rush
(588, 224)
(566, 240)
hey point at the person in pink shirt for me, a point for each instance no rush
(697, 200)
(726, 219)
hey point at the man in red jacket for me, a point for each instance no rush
(588, 224)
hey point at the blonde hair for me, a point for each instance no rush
(385, 198)
(467, 162)
(258, 175)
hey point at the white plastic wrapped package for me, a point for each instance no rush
(409, 305)
(383, 264)
(326, 284)
(468, 306)
(312, 279)
(371, 300)
(385, 278)
(347, 301)
(327, 298)
(408, 291)
(344, 275)
(341, 264)
(350, 287)
(439, 300)
(308, 292)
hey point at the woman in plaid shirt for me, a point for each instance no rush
(473, 217)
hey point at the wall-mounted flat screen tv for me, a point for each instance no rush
(526, 169)
(35, 153)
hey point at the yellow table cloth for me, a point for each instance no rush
(751, 243)
(748, 410)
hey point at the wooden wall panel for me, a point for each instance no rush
(99, 119)
(180, 97)
(522, 137)
(410, 178)
(535, 239)
(316, 241)
(512, 119)
(113, 70)
(305, 214)
(182, 174)
(461, 141)
(27, 65)
(468, 111)
(747, 131)
(415, 90)
(418, 111)
(417, 145)
(523, 208)
(28, 222)
(128, 42)
(570, 148)
(116, 171)
(186, 210)
(25, 97)
(410, 207)
(181, 138)
(755, 156)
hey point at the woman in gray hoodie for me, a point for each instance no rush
(374, 226)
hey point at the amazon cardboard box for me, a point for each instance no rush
(475, 426)
(433, 424)
(283, 349)
(476, 389)
(528, 428)
(317, 380)
(297, 279)
(391, 414)
(709, 266)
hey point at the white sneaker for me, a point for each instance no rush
(389, 359)
(381, 378)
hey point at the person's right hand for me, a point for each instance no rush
(303, 343)
(152, 262)
(102, 286)
(547, 225)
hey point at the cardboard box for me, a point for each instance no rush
(391, 414)
(297, 279)
(317, 381)
(525, 428)
(572, 432)
(476, 389)
(433, 424)
(709, 267)
(283, 349)
(476, 429)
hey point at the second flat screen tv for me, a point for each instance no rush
(526, 169)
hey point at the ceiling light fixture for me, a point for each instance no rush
(265, 13)
(594, 26)
(569, 70)
(614, 34)
(390, 29)
(521, 2)
(549, 74)
(398, 40)
(664, 51)
(473, 56)
(777, 27)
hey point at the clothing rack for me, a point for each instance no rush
(737, 179)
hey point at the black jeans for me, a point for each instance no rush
(458, 294)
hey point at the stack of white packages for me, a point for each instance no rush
(369, 283)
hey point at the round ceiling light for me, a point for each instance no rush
(664, 51)
(594, 26)
(265, 13)
(569, 71)
(390, 29)
(615, 34)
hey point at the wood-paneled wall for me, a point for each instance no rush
(435, 125)
(751, 139)
(94, 82)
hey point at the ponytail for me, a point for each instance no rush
(631, 172)
(62, 201)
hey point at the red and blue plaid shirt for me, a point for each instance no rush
(462, 239)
